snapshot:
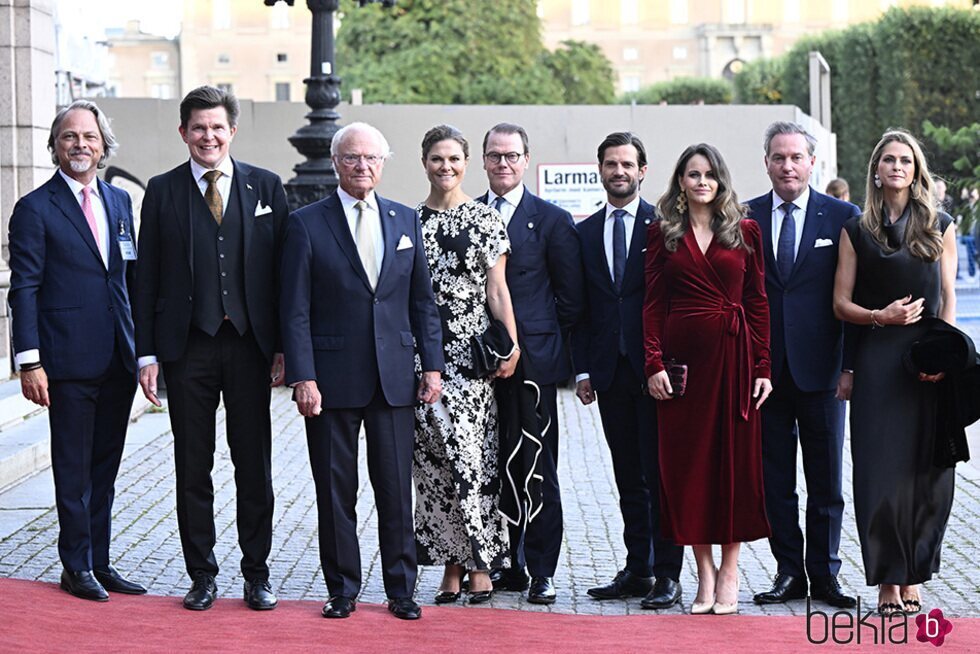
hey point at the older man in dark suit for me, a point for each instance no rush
(607, 350)
(72, 255)
(800, 231)
(357, 306)
(544, 275)
(207, 309)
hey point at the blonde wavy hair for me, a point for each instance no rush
(922, 235)
(726, 211)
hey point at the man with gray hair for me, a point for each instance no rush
(800, 232)
(72, 252)
(357, 306)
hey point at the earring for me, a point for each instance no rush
(877, 181)
(681, 204)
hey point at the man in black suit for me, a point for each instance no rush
(207, 309)
(800, 231)
(607, 352)
(353, 366)
(72, 256)
(544, 275)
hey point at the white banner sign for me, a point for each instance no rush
(576, 188)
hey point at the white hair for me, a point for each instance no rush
(346, 130)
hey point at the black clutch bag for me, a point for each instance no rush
(677, 373)
(490, 348)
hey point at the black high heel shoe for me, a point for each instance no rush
(480, 597)
(446, 597)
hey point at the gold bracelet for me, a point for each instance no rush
(874, 321)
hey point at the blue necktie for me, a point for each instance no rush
(785, 255)
(619, 249)
(498, 204)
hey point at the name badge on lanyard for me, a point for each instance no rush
(126, 246)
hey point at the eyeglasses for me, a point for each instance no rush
(351, 160)
(495, 157)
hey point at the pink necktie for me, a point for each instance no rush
(90, 215)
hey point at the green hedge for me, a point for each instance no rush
(683, 90)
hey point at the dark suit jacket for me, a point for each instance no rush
(165, 279)
(64, 301)
(804, 330)
(340, 333)
(544, 275)
(595, 341)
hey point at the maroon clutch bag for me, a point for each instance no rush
(677, 373)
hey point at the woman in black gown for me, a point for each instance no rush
(897, 265)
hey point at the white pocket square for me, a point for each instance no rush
(260, 210)
(822, 243)
(404, 243)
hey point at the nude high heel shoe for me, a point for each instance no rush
(702, 608)
(727, 609)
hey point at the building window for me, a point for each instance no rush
(630, 54)
(631, 83)
(227, 88)
(280, 16)
(678, 12)
(221, 14)
(629, 12)
(282, 57)
(680, 52)
(161, 91)
(224, 58)
(159, 59)
(282, 91)
(580, 12)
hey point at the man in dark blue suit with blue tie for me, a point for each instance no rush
(800, 230)
(72, 256)
(544, 275)
(356, 307)
(607, 351)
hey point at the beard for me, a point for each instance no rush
(80, 166)
(624, 193)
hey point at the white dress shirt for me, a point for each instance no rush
(512, 198)
(371, 212)
(799, 217)
(224, 182)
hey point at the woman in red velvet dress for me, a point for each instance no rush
(706, 307)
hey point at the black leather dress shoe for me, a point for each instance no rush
(405, 608)
(624, 584)
(509, 579)
(259, 595)
(114, 582)
(784, 588)
(665, 593)
(83, 584)
(202, 593)
(827, 589)
(339, 607)
(541, 591)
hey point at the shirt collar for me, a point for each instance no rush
(800, 202)
(226, 167)
(348, 201)
(76, 186)
(513, 196)
(632, 208)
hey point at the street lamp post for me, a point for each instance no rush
(316, 178)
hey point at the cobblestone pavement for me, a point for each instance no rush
(146, 545)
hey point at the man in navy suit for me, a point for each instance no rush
(357, 306)
(207, 310)
(544, 275)
(607, 351)
(72, 255)
(801, 229)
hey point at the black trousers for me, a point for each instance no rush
(539, 546)
(629, 421)
(233, 367)
(817, 421)
(332, 440)
(88, 420)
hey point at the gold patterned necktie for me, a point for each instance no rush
(365, 237)
(212, 196)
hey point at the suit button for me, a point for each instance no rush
(221, 256)
(224, 292)
(224, 274)
(221, 238)
(377, 301)
(190, 298)
(620, 300)
(110, 308)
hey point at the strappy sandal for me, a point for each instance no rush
(888, 609)
(912, 605)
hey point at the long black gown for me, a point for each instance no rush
(901, 500)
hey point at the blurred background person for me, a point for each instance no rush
(706, 308)
(457, 483)
(839, 188)
(906, 254)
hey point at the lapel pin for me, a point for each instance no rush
(248, 186)
(646, 221)
(391, 212)
(530, 225)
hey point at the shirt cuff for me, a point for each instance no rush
(27, 356)
(148, 360)
(581, 377)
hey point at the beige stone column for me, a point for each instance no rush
(27, 107)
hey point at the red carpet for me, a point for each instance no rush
(46, 619)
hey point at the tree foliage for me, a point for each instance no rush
(683, 90)
(760, 82)
(463, 52)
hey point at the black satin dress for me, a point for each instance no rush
(901, 500)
